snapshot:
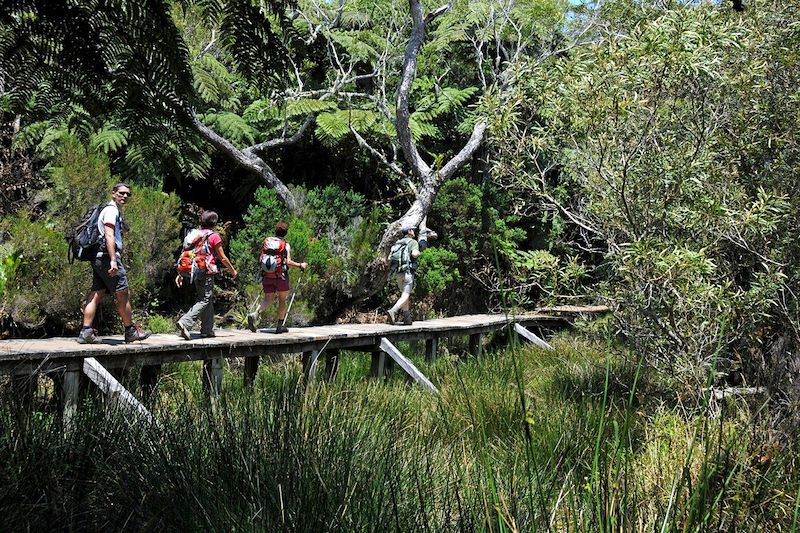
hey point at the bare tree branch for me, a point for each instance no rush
(377, 154)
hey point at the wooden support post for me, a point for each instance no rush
(148, 379)
(406, 365)
(70, 389)
(24, 391)
(310, 359)
(527, 334)
(113, 389)
(331, 363)
(476, 344)
(431, 349)
(377, 368)
(250, 369)
(212, 376)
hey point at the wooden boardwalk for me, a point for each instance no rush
(23, 356)
(67, 360)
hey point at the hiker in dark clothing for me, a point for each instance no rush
(210, 245)
(275, 259)
(108, 272)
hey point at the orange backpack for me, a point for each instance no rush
(196, 251)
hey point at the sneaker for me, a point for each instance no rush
(280, 328)
(208, 335)
(392, 317)
(136, 333)
(88, 336)
(183, 331)
(251, 322)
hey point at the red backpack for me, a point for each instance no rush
(273, 257)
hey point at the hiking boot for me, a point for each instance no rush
(280, 328)
(183, 331)
(208, 335)
(88, 336)
(136, 333)
(392, 318)
(407, 318)
(251, 322)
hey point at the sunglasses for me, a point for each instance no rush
(124, 193)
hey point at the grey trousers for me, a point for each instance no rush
(203, 308)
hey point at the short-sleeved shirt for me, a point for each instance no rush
(110, 215)
(214, 240)
(413, 246)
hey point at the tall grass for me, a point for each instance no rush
(523, 440)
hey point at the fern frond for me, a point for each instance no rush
(307, 106)
(421, 128)
(331, 127)
(109, 140)
(261, 110)
(231, 126)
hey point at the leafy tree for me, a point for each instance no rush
(658, 148)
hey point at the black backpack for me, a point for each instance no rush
(83, 238)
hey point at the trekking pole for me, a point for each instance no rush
(294, 292)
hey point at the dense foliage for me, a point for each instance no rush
(640, 153)
(670, 148)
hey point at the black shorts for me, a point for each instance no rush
(102, 281)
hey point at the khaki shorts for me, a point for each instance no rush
(405, 281)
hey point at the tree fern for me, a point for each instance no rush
(231, 126)
(109, 140)
(307, 106)
(332, 127)
(356, 44)
(211, 79)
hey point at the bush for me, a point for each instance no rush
(41, 285)
(471, 230)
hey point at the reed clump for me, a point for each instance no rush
(576, 439)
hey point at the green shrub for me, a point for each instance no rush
(42, 284)
(259, 223)
(80, 178)
(333, 207)
(438, 270)
(43, 287)
(152, 244)
(159, 324)
(472, 230)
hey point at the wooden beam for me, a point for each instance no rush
(377, 368)
(431, 349)
(71, 387)
(250, 369)
(112, 388)
(148, 379)
(212, 376)
(527, 334)
(476, 344)
(406, 365)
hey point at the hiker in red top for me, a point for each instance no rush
(203, 250)
(275, 259)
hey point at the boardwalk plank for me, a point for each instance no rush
(21, 356)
